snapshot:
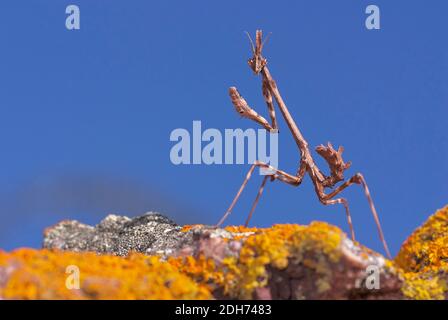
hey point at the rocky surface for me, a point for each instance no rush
(151, 233)
(424, 255)
(150, 257)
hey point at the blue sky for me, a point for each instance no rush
(86, 115)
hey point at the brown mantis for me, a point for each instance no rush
(333, 157)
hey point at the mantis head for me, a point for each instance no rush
(257, 62)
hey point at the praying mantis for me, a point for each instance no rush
(307, 165)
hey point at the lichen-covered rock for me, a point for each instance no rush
(286, 262)
(424, 258)
(317, 261)
(151, 233)
(44, 274)
(427, 248)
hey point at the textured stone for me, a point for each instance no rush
(317, 261)
(151, 233)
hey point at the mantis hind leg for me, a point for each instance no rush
(356, 179)
(344, 202)
(260, 192)
(277, 174)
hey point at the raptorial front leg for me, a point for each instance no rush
(279, 175)
(243, 108)
(268, 98)
(357, 179)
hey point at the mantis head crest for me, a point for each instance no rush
(257, 61)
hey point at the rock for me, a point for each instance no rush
(151, 233)
(426, 250)
(424, 258)
(286, 262)
(45, 274)
(69, 235)
(317, 261)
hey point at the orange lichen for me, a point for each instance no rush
(240, 229)
(427, 248)
(423, 259)
(422, 264)
(41, 274)
(275, 247)
(188, 227)
(201, 269)
(423, 286)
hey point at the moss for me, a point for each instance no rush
(41, 274)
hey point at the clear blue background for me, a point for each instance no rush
(85, 116)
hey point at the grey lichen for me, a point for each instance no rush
(151, 233)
